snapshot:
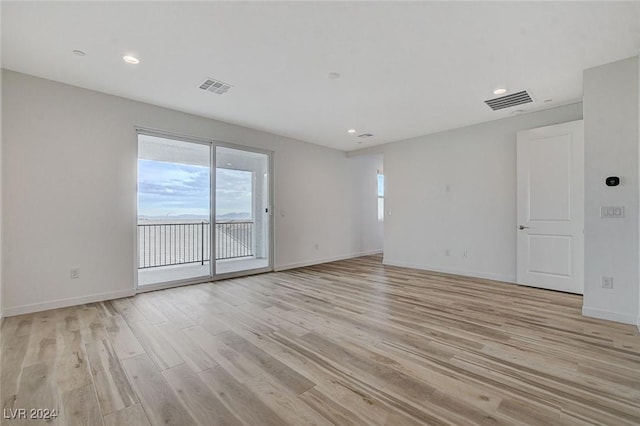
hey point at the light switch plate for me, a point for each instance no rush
(612, 212)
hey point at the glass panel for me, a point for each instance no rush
(242, 217)
(174, 210)
(380, 197)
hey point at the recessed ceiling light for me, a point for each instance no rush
(351, 131)
(79, 52)
(500, 91)
(130, 59)
(334, 75)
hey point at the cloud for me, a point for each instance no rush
(166, 189)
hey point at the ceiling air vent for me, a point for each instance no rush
(365, 135)
(509, 100)
(215, 86)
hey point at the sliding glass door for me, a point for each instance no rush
(188, 233)
(242, 210)
(174, 210)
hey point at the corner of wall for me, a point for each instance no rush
(612, 147)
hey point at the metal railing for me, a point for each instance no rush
(234, 239)
(165, 244)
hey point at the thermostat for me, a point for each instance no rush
(613, 181)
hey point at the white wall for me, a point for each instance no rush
(1, 190)
(456, 191)
(69, 190)
(611, 116)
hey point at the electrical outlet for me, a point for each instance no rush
(74, 273)
(447, 252)
(607, 282)
(465, 253)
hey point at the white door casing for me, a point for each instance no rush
(550, 169)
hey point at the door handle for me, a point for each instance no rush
(523, 227)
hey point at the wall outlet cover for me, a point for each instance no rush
(612, 211)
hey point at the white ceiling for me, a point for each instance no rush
(407, 69)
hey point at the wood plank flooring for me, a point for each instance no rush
(349, 343)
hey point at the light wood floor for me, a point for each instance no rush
(350, 342)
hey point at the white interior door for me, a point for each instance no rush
(550, 163)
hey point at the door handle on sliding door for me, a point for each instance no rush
(523, 227)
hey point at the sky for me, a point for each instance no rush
(171, 189)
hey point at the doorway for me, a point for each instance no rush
(203, 211)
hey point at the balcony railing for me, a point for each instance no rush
(165, 244)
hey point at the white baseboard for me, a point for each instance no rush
(63, 303)
(278, 268)
(472, 274)
(611, 316)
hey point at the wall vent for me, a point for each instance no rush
(215, 86)
(509, 100)
(365, 135)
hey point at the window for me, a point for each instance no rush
(380, 197)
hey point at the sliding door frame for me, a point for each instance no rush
(269, 154)
(213, 276)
